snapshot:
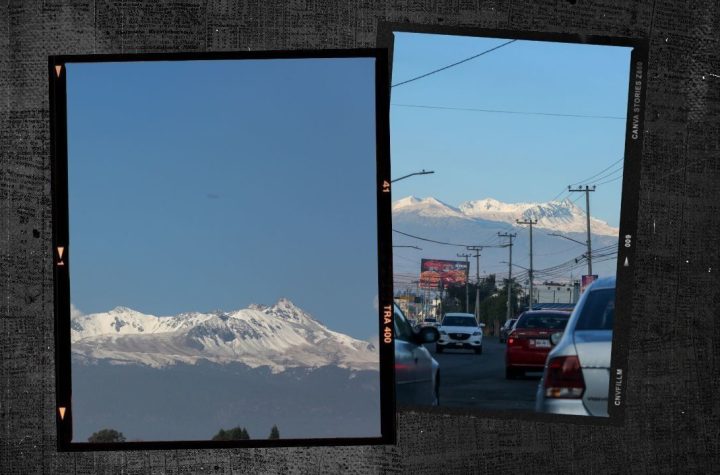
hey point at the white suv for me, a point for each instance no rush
(460, 330)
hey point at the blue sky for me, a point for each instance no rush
(509, 157)
(201, 185)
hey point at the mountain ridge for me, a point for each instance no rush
(562, 216)
(280, 336)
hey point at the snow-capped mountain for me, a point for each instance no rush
(479, 222)
(560, 216)
(279, 336)
(428, 208)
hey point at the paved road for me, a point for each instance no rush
(478, 381)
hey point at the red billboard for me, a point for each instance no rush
(435, 273)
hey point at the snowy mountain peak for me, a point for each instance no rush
(404, 202)
(428, 207)
(124, 310)
(485, 203)
(280, 336)
(286, 309)
(562, 216)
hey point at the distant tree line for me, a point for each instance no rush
(104, 436)
(241, 433)
(493, 301)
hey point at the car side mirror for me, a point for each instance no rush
(482, 325)
(555, 338)
(427, 335)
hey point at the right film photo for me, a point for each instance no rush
(514, 205)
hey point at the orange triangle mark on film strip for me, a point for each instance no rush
(61, 249)
(58, 68)
(62, 412)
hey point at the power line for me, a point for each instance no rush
(564, 190)
(609, 181)
(454, 64)
(564, 251)
(558, 195)
(501, 111)
(429, 240)
(593, 176)
(408, 259)
(438, 242)
(609, 174)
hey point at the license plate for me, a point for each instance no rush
(542, 343)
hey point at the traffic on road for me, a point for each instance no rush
(550, 361)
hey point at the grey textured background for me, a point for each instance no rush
(672, 413)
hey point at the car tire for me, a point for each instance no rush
(438, 348)
(478, 351)
(510, 373)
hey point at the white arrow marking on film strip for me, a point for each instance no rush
(58, 68)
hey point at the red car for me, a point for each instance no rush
(529, 343)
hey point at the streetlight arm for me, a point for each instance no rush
(568, 238)
(515, 265)
(423, 172)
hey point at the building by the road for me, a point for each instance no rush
(556, 292)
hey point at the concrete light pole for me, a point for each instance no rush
(530, 271)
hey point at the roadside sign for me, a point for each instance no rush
(587, 280)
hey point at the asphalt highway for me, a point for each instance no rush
(478, 381)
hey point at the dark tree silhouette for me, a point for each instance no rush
(106, 435)
(236, 433)
(274, 433)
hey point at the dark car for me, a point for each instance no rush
(528, 343)
(417, 374)
(506, 329)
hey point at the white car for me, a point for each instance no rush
(576, 380)
(460, 330)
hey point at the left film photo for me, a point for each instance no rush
(220, 262)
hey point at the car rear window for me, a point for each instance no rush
(555, 321)
(459, 322)
(598, 313)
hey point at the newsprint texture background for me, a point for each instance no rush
(672, 416)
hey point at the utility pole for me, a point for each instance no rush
(509, 281)
(587, 191)
(467, 278)
(477, 250)
(441, 285)
(530, 271)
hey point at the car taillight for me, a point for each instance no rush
(512, 339)
(563, 378)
